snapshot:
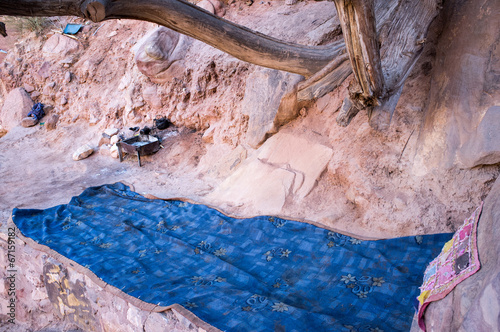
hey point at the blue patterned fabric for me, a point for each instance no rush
(255, 274)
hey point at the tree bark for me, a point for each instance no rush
(402, 32)
(183, 17)
(325, 80)
(384, 39)
(357, 19)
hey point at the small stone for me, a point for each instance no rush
(112, 34)
(83, 152)
(110, 132)
(48, 108)
(16, 106)
(290, 2)
(35, 94)
(67, 61)
(208, 136)
(114, 151)
(28, 122)
(114, 139)
(28, 88)
(207, 5)
(51, 122)
(93, 120)
(47, 90)
(63, 101)
(103, 141)
(45, 71)
(67, 77)
(104, 150)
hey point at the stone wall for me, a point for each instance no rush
(51, 296)
(465, 86)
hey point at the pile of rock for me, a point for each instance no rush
(107, 143)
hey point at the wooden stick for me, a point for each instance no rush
(64, 34)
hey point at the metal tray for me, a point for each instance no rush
(141, 145)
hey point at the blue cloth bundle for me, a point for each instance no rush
(37, 111)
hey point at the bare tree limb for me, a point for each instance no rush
(183, 17)
(402, 33)
(325, 80)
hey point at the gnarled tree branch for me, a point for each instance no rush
(383, 37)
(183, 17)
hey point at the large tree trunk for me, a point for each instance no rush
(357, 18)
(384, 39)
(402, 36)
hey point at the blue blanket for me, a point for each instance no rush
(255, 274)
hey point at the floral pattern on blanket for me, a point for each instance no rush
(252, 274)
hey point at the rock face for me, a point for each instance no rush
(16, 107)
(257, 184)
(159, 54)
(150, 95)
(283, 166)
(465, 82)
(60, 46)
(263, 104)
(301, 156)
(483, 148)
(474, 305)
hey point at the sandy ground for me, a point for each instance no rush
(37, 169)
